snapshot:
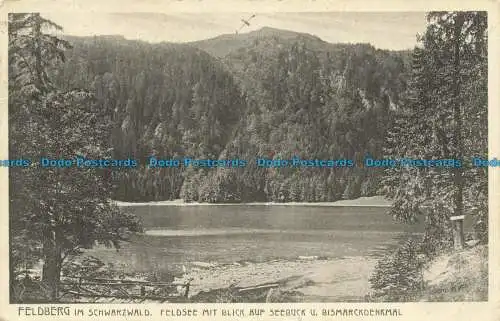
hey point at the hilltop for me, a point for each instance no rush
(222, 45)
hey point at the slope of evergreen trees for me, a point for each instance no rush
(316, 104)
(276, 95)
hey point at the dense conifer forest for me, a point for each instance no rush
(269, 93)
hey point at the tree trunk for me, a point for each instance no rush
(12, 291)
(37, 52)
(51, 273)
(457, 117)
(458, 234)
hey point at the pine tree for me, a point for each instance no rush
(445, 102)
(54, 212)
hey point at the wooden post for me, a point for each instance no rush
(79, 287)
(458, 231)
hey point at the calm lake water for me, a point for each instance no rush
(178, 235)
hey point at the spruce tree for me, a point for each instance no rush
(54, 212)
(444, 116)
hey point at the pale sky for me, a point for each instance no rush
(384, 30)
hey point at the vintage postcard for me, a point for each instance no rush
(266, 160)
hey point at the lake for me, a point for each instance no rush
(221, 234)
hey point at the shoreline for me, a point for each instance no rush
(373, 201)
(327, 279)
(302, 280)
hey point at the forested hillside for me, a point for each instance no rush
(314, 102)
(269, 93)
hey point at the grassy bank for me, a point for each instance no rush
(460, 276)
(452, 276)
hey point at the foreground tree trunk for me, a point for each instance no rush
(51, 273)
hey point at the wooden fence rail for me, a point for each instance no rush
(124, 289)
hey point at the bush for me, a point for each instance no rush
(398, 275)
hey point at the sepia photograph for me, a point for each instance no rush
(248, 157)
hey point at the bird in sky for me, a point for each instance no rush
(246, 22)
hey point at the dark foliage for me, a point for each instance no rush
(398, 276)
(276, 96)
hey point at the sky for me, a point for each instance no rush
(384, 30)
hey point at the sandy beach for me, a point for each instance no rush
(344, 279)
